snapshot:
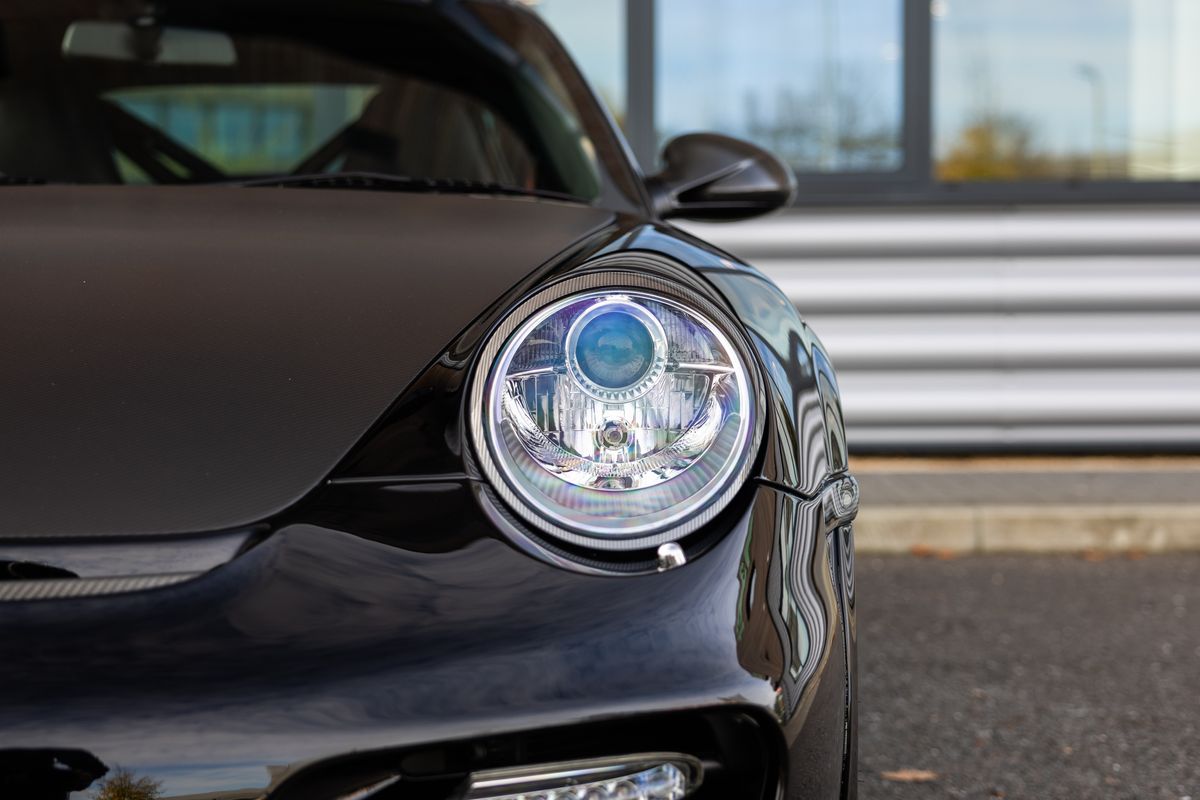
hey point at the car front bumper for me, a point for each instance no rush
(321, 660)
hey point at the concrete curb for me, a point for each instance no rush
(1028, 528)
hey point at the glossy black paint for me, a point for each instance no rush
(398, 605)
(392, 618)
(320, 642)
(716, 177)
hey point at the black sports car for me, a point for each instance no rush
(368, 432)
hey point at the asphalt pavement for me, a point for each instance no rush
(1030, 676)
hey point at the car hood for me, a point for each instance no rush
(184, 359)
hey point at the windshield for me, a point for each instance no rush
(193, 91)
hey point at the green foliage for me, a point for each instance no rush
(999, 147)
(124, 785)
(995, 148)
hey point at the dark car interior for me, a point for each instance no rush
(273, 90)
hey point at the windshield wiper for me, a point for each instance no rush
(380, 182)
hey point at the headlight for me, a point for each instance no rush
(615, 410)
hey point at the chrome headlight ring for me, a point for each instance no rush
(607, 466)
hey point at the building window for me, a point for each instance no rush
(1084, 90)
(818, 82)
(913, 101)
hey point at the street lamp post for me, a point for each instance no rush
(1095, 79)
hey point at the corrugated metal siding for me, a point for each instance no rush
(1021, 329)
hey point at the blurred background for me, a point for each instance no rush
(997, 236)
(996, 232)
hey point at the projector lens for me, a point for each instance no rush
(614, 350)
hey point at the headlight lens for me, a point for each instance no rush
(615, 417)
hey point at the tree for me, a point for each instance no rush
(124, 785)
(996, 147)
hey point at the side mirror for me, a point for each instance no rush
(708, 176)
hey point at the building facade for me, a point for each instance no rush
(998, 225)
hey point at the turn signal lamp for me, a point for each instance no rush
(650, 776)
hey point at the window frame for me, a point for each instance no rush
(914, 183)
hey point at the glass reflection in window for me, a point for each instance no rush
(1070, 89)
(818, 82)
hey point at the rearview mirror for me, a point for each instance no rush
(714, 177)
(118, 41)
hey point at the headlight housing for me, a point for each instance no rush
(616, 410)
